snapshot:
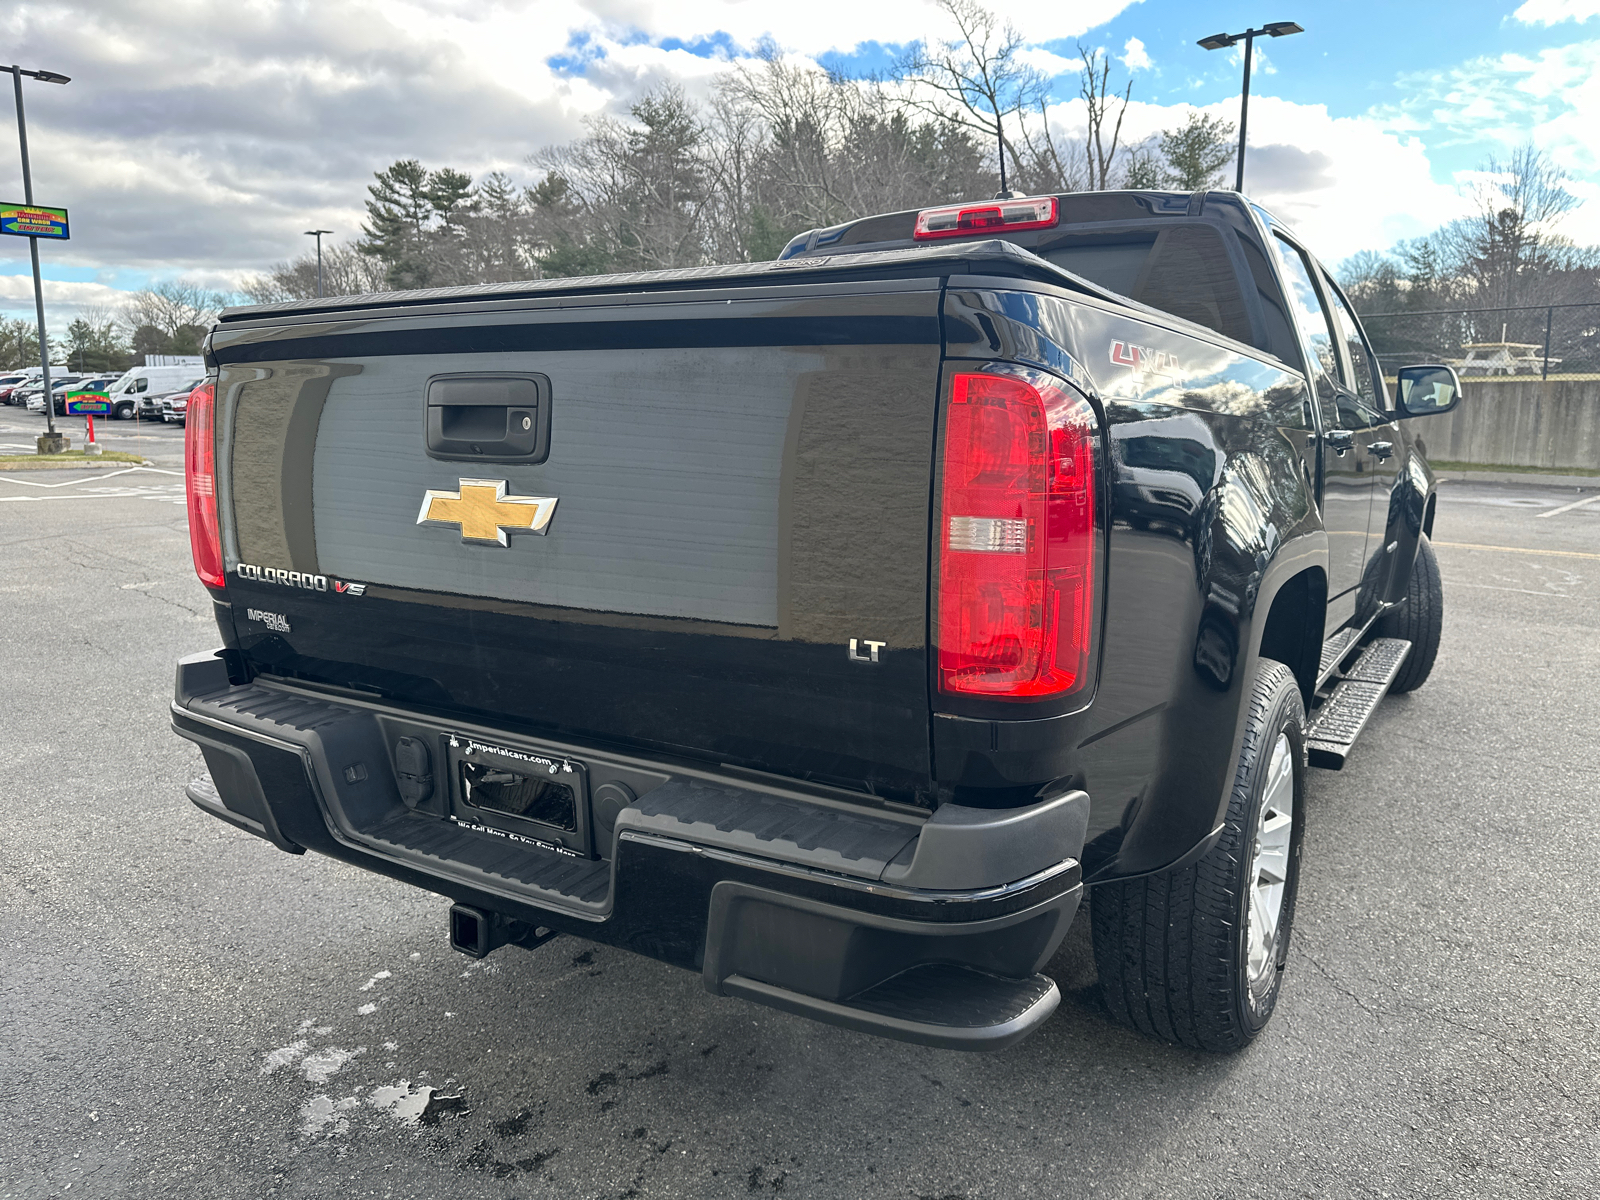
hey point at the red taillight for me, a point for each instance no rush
(1002, 216)
(200, 482)
(1016, 538)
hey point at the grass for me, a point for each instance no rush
(69, 458)
(1466, 466)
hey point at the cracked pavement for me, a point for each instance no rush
(187, 1012)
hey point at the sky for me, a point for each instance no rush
(198, 139)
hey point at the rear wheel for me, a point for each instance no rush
(1196, 956)
(1419, 619)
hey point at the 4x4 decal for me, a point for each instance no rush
(1144, 358)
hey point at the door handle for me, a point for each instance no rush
(488, 418)
(1340, 439)
(1381, 449)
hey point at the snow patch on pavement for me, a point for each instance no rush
(324, 1064)
(324, 1114)
(284, 1056)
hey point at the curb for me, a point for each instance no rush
(1522, 477)
(74, 465)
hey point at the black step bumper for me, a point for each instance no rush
(927, 929)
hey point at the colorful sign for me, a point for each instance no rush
(33, 220)
(85, 403)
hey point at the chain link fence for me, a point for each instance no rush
(1528, 341)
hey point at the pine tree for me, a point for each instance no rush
(399, 208)
(1197, 151)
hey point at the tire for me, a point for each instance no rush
(1419, 619)
(1179, 955)
(122, 412)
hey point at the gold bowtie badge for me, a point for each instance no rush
(484, 512)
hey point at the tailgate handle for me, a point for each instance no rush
(497, 417)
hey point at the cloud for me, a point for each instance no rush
(1050, 64)
(1344, 183)
(1551, 98)
(62, 299)
(276, 113)
(209, 162)
(1553, 12)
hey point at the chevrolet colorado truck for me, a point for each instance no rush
(828, 626)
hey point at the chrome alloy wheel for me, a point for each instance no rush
(1269, 862)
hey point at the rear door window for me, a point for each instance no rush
(1309, 314)
(1366, 380)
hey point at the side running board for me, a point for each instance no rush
(1345, 713)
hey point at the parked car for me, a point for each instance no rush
(853, 614)
(9, 384)
(29, 379)
(150, 403)
(175, 407)
(35, 390)
(137, 382)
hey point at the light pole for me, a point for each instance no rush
(1221, 41)
(317, 233)
(33, 243)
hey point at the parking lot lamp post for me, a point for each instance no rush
(33, 243)
(1221, 41)
(317, 233)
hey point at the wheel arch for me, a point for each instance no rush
(1292, 631)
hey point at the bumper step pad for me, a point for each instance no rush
(937, 1004)
(1343, 715)
(541, 872)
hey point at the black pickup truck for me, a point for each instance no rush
(827, 626)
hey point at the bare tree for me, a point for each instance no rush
(640, 187)
(1511, 239)
(169, 307)
(1094, 87)
(976, 80)
(345, 272)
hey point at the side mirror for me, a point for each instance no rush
(1427, 390)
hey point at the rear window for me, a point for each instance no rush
(1184, 270)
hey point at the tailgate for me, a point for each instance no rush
(732, 490)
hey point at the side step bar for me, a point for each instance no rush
(1345, 713)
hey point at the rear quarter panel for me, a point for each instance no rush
(1211, 511)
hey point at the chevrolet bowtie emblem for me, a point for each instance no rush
(484, 512)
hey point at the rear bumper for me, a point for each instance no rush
(926, 929)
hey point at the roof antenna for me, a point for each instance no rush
(1004, 193)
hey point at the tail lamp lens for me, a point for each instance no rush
(1005, 216)
(1017, 538)
(200, 483)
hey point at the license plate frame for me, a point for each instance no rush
(462, 752)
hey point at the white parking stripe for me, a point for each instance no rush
(97, 477)
(1573, 505)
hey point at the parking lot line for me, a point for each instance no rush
(1573, 505)
(98, 477)
(1518, 550)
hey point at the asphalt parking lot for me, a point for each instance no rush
(189, 1012)
(161, 443)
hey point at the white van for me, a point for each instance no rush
(124, 393)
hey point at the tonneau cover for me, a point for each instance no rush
(994, 257)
